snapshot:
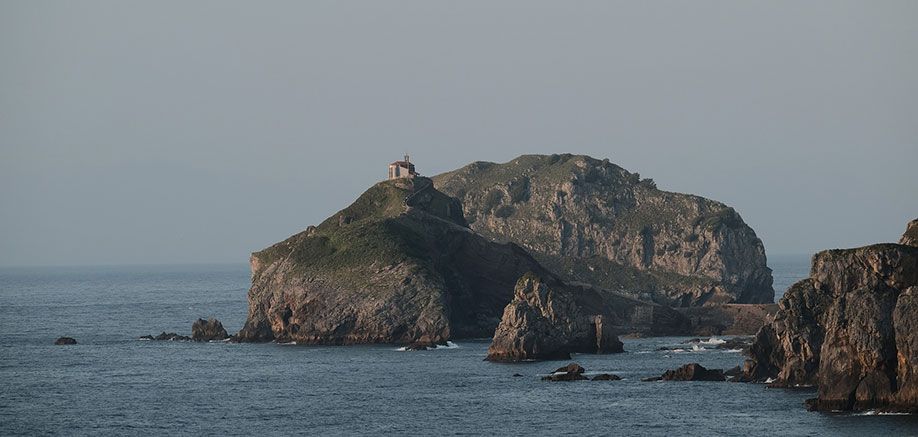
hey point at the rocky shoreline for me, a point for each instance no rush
(418, 262)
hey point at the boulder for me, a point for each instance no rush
(171, 336)
(208, 330)
(65, 341)
(570, 372)
(606, 377)
(690, 372)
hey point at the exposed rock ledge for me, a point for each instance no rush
(851, 329)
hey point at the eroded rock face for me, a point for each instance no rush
(399, 265)
(910, 237)
(548, 320)
(594, 222)
(850, 329)
(208, 330)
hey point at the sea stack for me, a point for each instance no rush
(545, 321)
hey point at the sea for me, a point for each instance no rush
(112, 383)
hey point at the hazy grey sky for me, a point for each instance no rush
(176, 131)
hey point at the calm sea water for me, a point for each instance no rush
(112, 383)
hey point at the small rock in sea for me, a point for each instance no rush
(734, 373)
(170, 337)
(420, 346)
(208, 330)
(65, 341)
(690, 372)
(606, 377)
(516, 375)
(570, 372)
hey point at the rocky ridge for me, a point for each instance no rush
(592, 221)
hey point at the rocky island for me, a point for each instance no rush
(403, 265)
(850, 329)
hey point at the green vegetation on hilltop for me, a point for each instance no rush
(374, 230)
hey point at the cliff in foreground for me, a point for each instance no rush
(851, 329)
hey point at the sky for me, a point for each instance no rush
(175, 132)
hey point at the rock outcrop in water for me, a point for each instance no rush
(594, 222)
(546, 321)
(63, 341)
(570, 372)
(690, 372)
(166, 336)
(208, 330)
(399, 265)
(851, 329)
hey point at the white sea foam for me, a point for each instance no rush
(448, 345)
(678, 350)
(732, 351)
(713, 341)
(769, 380)
(696, 348)
(880, 413)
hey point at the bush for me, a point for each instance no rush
(504, 211)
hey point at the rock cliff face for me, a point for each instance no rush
(399, 265)
(910, 237)
(851, 329)
(594, 222)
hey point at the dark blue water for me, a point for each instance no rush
(112, 383)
